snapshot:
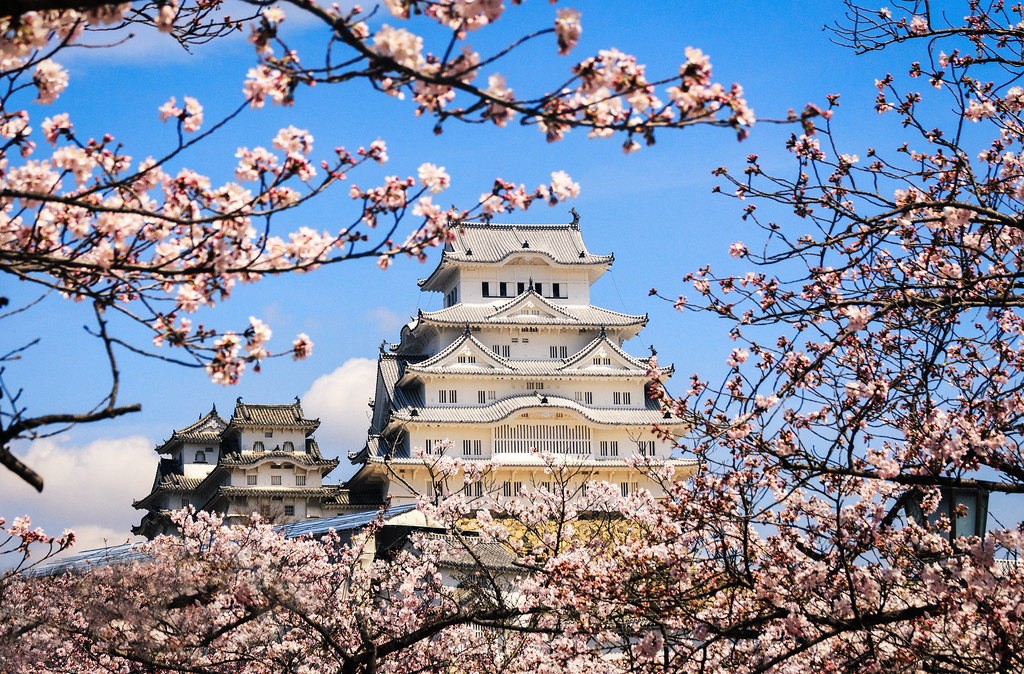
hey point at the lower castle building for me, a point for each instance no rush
(262, 460)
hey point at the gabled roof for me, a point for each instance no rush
(289, 416)
(171, 483)
(554, 316)
(307, 459)
(208, 429)
(530, 299)
(581, 315)
(470, 553)
(602, 347)
(490, 243)
(467, 342)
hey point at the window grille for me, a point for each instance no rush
(289, 511)
(300, 480)
(288, 447)
(646, 447)
(520, 438)
(275, 479)
(586, 397)
(620, 397)
(258, 447)
(250, 480)
(534, 386)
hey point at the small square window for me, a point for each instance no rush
(300, 480)
(289, 511)
(250, 480)
(275, 479)
(268, 434)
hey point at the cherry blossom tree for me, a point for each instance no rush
(874, 395)
(876, 374)
(147, 242)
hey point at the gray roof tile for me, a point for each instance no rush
(506, 407)
(567, 314)
(290, 415)
(207, 429)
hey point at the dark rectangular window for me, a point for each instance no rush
(520, 288)
(538, 287)
(486, 288)
(503, 289)
(555, 290)
(289, 511)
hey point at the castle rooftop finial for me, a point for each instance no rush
(575, 224)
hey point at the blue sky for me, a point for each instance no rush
(654, 210)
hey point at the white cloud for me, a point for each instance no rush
(87, 488)
(385, 320)
(340, 399)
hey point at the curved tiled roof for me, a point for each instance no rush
(532, 368)
(252, 458)
(470, 553)
(290, 415)
(207, 429)
(577, 315)
(169, 483)
(392, 368)
(488, 243)
(278, 491)
(506, 407)
(531, 461)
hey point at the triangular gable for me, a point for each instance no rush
(532, 305)
(602, 354)
(466, 353)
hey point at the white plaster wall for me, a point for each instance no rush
(573, 282)
(278, 438)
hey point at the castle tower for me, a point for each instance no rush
(516, 363)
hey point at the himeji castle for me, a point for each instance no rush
(518, 363)
(517, 368)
